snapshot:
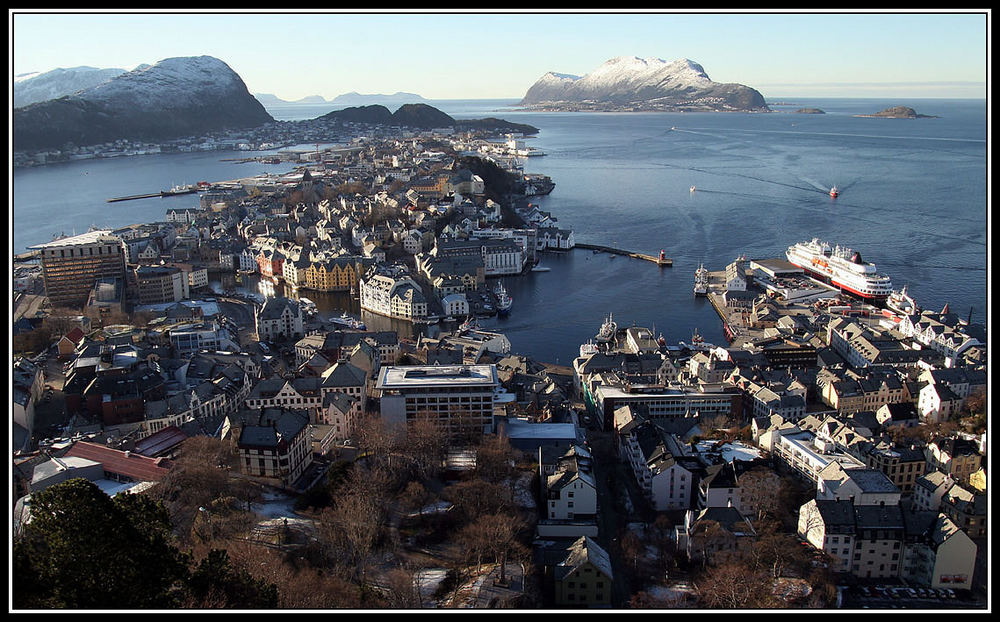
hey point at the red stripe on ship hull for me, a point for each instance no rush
(857, 293)
(824, 277)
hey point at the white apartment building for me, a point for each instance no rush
(461, 396)
(570, 492)
(279, 317)
(455, 305)
(275, 445)
(390, 291)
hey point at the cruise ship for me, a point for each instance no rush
(841, 267)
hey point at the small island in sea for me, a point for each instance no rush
(896, 112)
(809, 111)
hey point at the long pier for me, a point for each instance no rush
(161, 194)
(662, 262)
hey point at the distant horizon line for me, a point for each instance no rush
(767, 97)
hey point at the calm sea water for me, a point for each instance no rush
(913, 200)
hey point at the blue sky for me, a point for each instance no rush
(501, 54)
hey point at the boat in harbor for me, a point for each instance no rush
(840, 267)
(701, 281)
(834, 192)
(504, 301)
(589, 348)
(178, 190)
(693, 188)
(540, 268)
(308, 306)
(538, 185)
(349, 322)
(902, 303)
(608, 330)
(470, 323)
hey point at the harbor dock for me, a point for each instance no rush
(660, 261)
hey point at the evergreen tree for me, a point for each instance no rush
(83, 549)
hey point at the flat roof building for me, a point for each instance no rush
(72, 265)
(458, 396)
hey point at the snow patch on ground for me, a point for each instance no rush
(428, 581)
(275, 504)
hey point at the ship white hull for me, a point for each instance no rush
(852, 276)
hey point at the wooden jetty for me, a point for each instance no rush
(661, 261)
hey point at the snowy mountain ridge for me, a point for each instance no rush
(34, 87)
(634, 81)
(175, 98)
(171, 83)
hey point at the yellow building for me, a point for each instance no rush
(978, 480)
(332, 275)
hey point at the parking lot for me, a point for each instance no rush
(902, 597)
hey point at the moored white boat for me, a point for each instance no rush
(608, 330)
(701, 281)
(504, 301)
(902, 303)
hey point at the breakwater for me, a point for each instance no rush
(161, 194)
(661, 260)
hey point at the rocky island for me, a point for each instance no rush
(897, 112)
(631, 84)
(422, 116)
(809, 111)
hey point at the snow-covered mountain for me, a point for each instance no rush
(176, 97)
(642, 83)
(30, 88)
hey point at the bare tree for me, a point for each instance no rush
(400, 588)
(356, 521)
(494, 536)
(414, 497)
(376, 441)
(474, 498)
(759, 490)
(733, 586)
(426, 445)
(632, 549)
(199, 476)
(495, 459)
(299, 586)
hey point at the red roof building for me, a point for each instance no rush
(122, 465)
